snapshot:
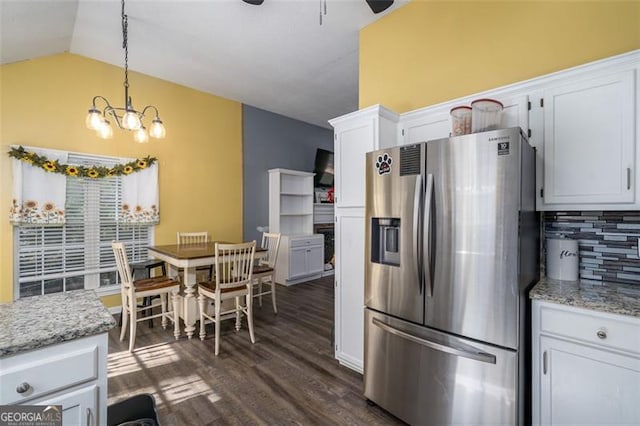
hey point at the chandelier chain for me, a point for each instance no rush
(125, 45)
(127, 117)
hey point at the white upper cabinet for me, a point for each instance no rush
(589, 141)
(355, 135)
(583, 123)
(425, 127)
(435, 122)
(516, 112)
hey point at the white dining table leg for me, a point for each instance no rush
(190, 302)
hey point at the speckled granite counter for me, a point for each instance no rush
(35, 322)
(623, 299)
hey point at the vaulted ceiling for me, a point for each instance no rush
(277, 56)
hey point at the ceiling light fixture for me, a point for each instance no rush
(130, 118)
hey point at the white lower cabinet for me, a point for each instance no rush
(72, 374)
(79, 407)
(586, 366)
(300, 258)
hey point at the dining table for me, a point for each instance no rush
(186, 258)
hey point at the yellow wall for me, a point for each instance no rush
(432, 51)
(44, 102)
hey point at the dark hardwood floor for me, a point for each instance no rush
(289, 376)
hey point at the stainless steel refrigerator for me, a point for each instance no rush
(452, 248)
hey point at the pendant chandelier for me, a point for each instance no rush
(126, 118)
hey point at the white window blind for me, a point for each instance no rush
(78, 254)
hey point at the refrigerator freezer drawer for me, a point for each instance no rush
(431, 378)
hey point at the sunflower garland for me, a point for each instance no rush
(93, 172)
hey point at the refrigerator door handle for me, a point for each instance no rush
(417, 234)
(426, 242)
(477, 355)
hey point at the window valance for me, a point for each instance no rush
(40, 183)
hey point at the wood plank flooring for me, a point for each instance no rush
(289, 376)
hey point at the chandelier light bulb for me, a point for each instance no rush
(94, 119)
(141, 135)
(104, 130)
(157, 129)
(131, 121)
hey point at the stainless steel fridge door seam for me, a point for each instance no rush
(477, 355)
(427, 257)
(417, 229)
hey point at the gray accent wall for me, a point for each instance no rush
(273, 141)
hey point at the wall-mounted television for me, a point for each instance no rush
(323, 168)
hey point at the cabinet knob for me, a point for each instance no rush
(23, 387)
(602, 334)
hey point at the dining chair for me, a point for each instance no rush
(184, 238)
(265, 270)
(145, 269)
(131, 290)
(232, 280)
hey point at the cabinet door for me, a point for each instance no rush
(516, 112)
(351, 145)
(349, 295)
(589, 140)
(315, 259)
(297, 262)
(426, 128)
(79, 407)
(584, 385)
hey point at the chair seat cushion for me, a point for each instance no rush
(261, 269)
(210, 286)
(154, 283)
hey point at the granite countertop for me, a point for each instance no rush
(623, 299)
(38, 321)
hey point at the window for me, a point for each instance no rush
(78, 254)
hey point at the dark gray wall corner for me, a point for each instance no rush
(273, 141)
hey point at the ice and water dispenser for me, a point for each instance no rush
(385, 241)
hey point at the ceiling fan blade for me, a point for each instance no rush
(254, 2)
(379, 5)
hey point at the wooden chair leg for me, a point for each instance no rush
(148, 302)
(176, 317)
(273, 294)
(238, 314)
(217, 327)
(125, 319)
(250, 317)
(201, 302)
(163, 306)
(124, 316)
(132, 325)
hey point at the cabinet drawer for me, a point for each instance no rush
(307, 241)
(49, 373)
(606, 330)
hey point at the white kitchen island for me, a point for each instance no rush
(53, 351)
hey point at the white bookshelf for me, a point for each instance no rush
(290, 202)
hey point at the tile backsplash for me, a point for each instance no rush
(607, 241)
